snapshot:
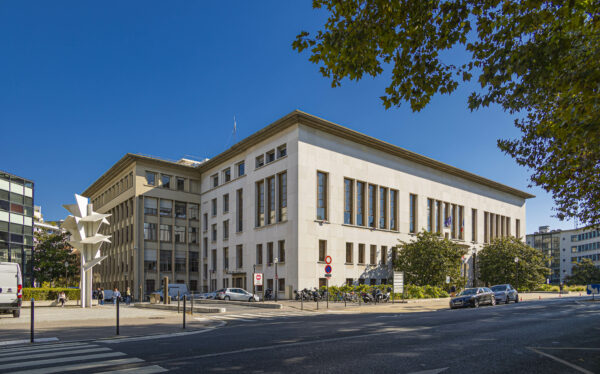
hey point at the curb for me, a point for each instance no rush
(242, 303)
(199, 309)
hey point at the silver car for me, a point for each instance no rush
(236, 294)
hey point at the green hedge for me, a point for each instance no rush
(410, 291)
(554, 288)
(49, 293)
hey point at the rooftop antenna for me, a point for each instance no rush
(233, 134)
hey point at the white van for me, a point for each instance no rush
(11, 288)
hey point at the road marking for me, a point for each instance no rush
(432, 371)
(92, 365)
(138, 370)
(29, 356)
(26, 341)
(43, 348)
(60, 360)
(275, 346)
(570, 348)
(161, 336)
(572, 366)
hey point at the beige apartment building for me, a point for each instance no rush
(282, 200)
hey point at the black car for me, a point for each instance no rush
(505, 293)
(473, 297)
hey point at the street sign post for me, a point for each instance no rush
(328, 270)
(258, 279)
(399, 283)
(593, 289)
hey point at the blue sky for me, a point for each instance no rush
(83, 83)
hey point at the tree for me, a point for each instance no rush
(49, 257)
(429, 259)
(539, 60)
(496, 264)
(584, 272)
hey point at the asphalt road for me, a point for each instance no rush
(548, 336)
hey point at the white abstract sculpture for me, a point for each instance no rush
(83, 226)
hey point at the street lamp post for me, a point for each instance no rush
(517, 266)
(253, 275)
(66, 268)
(276, 285)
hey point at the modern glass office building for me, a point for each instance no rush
(16, 223)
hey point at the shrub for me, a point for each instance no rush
(47, 293)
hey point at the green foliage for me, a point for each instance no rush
(429, 259)
(584, 272)
(51, 253)
(49, 293)
(410, 291)
(537, 59)
(496, 264)
(423, 292)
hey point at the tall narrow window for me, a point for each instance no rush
(348, 195)
(240, 210)
(383, 207)
(360, 203)
(486, 229)
(213, 207)
(259, 254)
(473, 225)
(239, 256)
(430, 215)
(393, 210)
(438, 216)
(508, 226)
(361, 253)
(518, 228)
(461, 222)
(321, 196)
(412, 204)
(372, 204)
(349, 250)
(260, 203)
(282, 196)
(383, 255)
(271, 199)
(226, 230)
(322, 250)
(453, 221)
(225, 203)
(270, 253)
(373, 255)
(281, 250)
(225, 258)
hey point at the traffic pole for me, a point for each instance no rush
(184, 297)
(32, 319)
(327, 290)
(118, 316)
(192, 310)
(178, 298)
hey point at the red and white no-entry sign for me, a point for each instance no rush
(328, 260)
(258, 279)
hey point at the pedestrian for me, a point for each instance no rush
(116, 295)
(561, 286)
(452, 291)
(62, 298)
(101, 296)
(128, 296)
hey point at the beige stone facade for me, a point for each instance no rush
(281, 200)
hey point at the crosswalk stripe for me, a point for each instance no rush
(82, 366)
(60, 360)
(41, 348)
(29, 356)
(138, 370)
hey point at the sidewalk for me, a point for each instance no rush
(75, 323)
(409, 306)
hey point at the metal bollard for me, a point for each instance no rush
(184, 298)
(192, 310)
(118, 315)
(32, 319)
(178, 298)
(344, 301)
(317, 303)
(302, 302)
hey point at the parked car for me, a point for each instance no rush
(505, 293)
(473, 297)
(175, 290)
(11, 288)
(208, 295)
(236, 294)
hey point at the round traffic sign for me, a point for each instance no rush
(328, 269)
(328, 260)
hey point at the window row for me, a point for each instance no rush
(270, 156)
(166, 261)
(226, 174)
(364, 204)
(271, 200)
(172, 182)
(165, 208)
(270, 257)
(498, 226)
(16, 185)
(447, 215)
(585, 236)
(8, 198)
(169, 233)
(593, 257)
(113, 191)
(585, 247)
